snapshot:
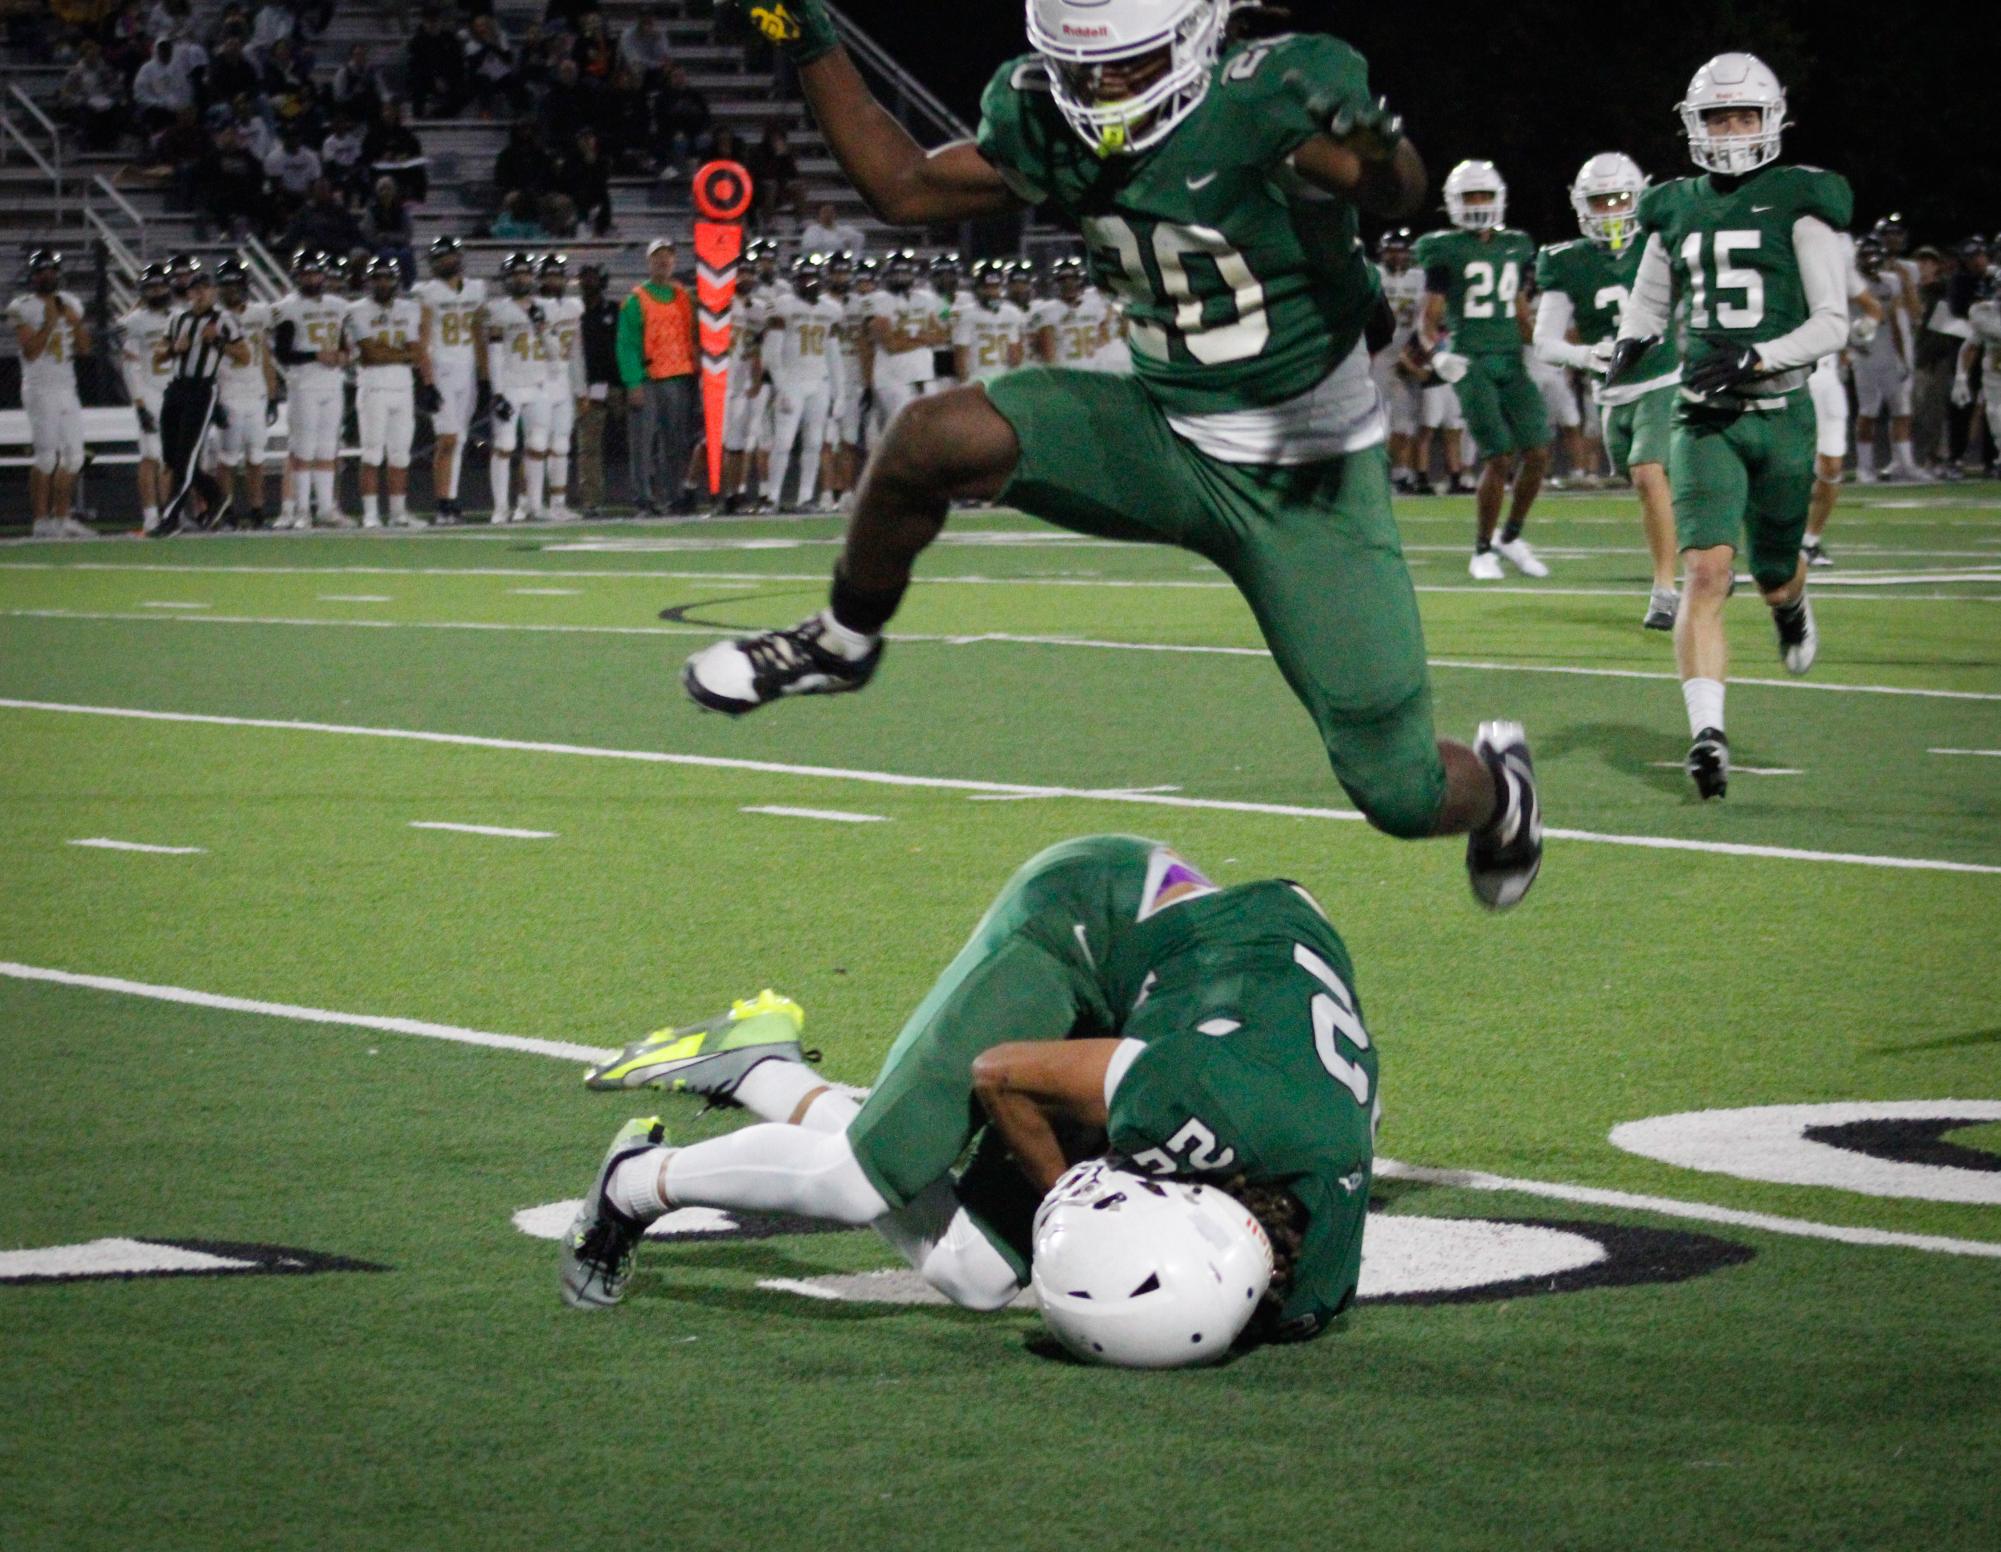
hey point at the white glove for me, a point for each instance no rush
(1601, 356)
(1962, 390)
(1449, 367)
(1862, 330)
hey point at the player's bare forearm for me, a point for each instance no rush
(1390, 186)
(903, 183)
(1431, 324)
(1028, 1086)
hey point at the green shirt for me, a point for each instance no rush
(1479, 274)
(1598, 281)
(1730, 253)
(1241, 285)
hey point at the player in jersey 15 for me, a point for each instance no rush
(1473, 274)
(987, 336)
(1396, 379)
(385, 333)
(803, 362)
(1249, 432)
(518, 349)
(146, 366)
(246, 393)
(566, 376)
(1581, 287)
(1749, 249)
(49, 327)
(456, 340)
(306, 335)
(1112, 999)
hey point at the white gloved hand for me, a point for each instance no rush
(1601, 356)
(1962, 390)
(1449, 367)
(1862, 330)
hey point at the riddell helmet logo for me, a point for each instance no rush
(1072, 30)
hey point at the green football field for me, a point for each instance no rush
(289, 1068)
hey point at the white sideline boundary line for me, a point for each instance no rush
(1992, 754)
(831, 815)
(962, 783)
(1008, 638)
(1675, 1207)
(478, 829)
(105, 843)
(1388, 1169)
(288, 1010)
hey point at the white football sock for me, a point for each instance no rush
(1865, 458)
(1903, 458)
(323, 491)
(399, 506)
(774, 1088)
(850, 644)
(149, 517)
(497, 471)
(559, 479)
(371, 507)
(533, 472)
(451, 490)
(1704, 698)
(634, 1187)
(770, 1168)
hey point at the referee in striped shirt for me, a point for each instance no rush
(199, 336)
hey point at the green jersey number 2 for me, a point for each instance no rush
(1489, 290)
(1236, 337)
(1748, 311)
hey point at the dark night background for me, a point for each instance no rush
(1899, 99)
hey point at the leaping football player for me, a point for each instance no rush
(1750, 246)
(1218, 179)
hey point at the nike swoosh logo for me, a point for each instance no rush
(1085, 944)
(1202, 182)
(1758, 210)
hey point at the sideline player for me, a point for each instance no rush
(306, 340)
(50, 330)
(246, 393)
(1882, 369)
(748, 401)
(1250, 431)
(1829, 392)
(1473, 273)
(906, 333)
(1396, 381)
(143, 358)
(987, 335)
(457, 343)
(1751, 247)
(566, 376)
(518, 357)
(1581, 285)
(803, 363)
(385, 335)
(1111, 996)
(844, 419)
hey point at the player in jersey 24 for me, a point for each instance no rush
(1473, 274)
(1581, 286)
(49, 327)
(1112, 998)
(1750, 249)
(1218, 182)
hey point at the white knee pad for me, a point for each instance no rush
(965, 1267)
(533, 415)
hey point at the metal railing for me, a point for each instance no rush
(906, 94)
(128, 252)
(13, 133)
(268, 279)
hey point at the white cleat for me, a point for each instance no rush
(407, 520)
(1516, 553)
(370, 520)
(1799, 641)
(336, 519)
(1484, 567)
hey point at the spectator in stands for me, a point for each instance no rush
(595, 52)
(827, 233)
(604, 402)
(92, 97)
(258, 137)
(230, 72)
(569, 14)
(517, 220)
(358, 87)
(293, 168)
(235, 18)
(536, 55)
(524, 165)
(160, 91)
(558, 215)
(387, 224)
(489, 66)
(587, 181)
(643, 49)
(324, 225)
(173, 20)
(392, 148)
(568, 105)
(435, 67)
(342, 159)
(287, 82)
(680, 121)
(230, 186)
(725, 145)
(775, 174)
(275, 24)
(175, 150)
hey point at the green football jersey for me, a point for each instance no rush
(1479, 274)
(1241, 285)
(1730, 251)
(1598, 281)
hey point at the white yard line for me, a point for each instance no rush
(354, 598)
(475, 829)
(169, 603)
(831, 815)
(1992, 754)
(288, 1010)
(959, 783)
(545, 592)
(1013, 638)
(1674, 1207)
(1735, 769)
(105, 843)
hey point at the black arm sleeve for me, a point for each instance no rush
(281, 346)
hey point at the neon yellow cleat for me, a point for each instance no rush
(710, 1058)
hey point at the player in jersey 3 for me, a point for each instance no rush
(1473, 273)
(1581, 286)
(1111, 998)
(1218, 184)
(1750, 248)
(457, 342)
(49, 328)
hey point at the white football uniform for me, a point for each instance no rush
(992, 338)
(803, 359)
(518, 357)
(313, 389)
(1115, 355)
(148, 368)
(386, 398)
(48, 383)
(1080, 331)
(1882, 368)
(1405, 295)
(1046, 313)
(565, 342)
(747, 402)
(454, 310)
(844, 419)
(902, 375)
(1826, 390)
(244, 395)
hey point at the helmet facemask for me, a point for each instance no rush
(1124, 96)
(1470, 179)
(1734, 81)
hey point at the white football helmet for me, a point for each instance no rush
(1734, 81)
(1476, 178)
(1146, 1274)
(1079, 37)
(1609, 172)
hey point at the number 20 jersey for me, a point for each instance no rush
(1242, 285)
